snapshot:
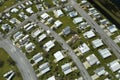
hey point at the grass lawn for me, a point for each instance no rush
(78, 1)
(115, 34)
(68, 22)
(34, 8)
(56, 69)
(17, 17)
(6, 67)
(104, 63)
(49, 2)
(7, 4)
(118, 44)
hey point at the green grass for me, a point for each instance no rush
(78, 1)
(104, 62)
(7, 4)
(48, 57)
(49, 2)
(115, 34)
(17, 17)
(34, 8)
(118, 44)
(68, 22)
(6, 67)
(56, 69)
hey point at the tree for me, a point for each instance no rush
(18, 74)
(32, 61)
(1, 63)
(1, 2)
(78, 30)
(11, 62)
(7, 30)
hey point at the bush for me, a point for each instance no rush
(1, 63)
(11, 62)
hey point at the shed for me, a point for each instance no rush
(30, 2)
(14, 10)
(97, 15)
(89, 34)
(29, 10)
(104, 52)
(92, 10)
(112, 28)
(5, 27)
(66, 68)
(44, 68)
(1, 20)
(24, 40)
(50, 20)
(66, 30)
(58, 56)
(92, 59)
(22, 15)
(17, 35)
(37, 58)
(114, 65)
(27, 25)
(97, 43)
(84, 48)
(13, 20)
(44, 16)
(51, 78)
(77, 20)
(57, 23)
(83, 2)
(73, 14)
(36, 32)
(42, 37)
(30, 46)
(104, 22)
(83, 25)
(47, 46)
(100, 71)
(63, 1)
(68, 8)
(58, 13)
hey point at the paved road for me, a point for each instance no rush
(32, 17)
(22, 62)
(28, 73)
(79, 64)
(71, 53)
(107, 40)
